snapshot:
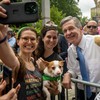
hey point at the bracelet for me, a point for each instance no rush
(4, 39)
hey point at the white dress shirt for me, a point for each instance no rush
(91, 52)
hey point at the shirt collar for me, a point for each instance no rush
(82, 42)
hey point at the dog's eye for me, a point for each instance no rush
(53, 68)
(59, 66)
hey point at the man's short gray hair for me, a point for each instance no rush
(68, 18)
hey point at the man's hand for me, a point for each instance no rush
(67, 80)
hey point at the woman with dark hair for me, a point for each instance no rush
(48, 45)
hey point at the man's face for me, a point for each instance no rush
(71, 32)
(92, 28)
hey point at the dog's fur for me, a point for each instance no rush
(53, 69)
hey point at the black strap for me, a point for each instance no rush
(4, 39)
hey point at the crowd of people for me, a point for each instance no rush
(24, 53)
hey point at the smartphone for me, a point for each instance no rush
(7, 76)
(20, 12)
(1, 71)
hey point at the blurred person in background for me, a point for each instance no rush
(92, 27)
(99, 27)
(11, 37)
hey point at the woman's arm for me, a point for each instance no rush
(6, 53)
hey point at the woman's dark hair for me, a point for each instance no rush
(40, 49)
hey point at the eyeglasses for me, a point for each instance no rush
(91, 26)
(26, 39)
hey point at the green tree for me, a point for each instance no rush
(84, 20)
(69, 7)
(56, 16)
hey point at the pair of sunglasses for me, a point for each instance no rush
(91, 26)
(51, 25)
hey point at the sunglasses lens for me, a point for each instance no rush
(94, 26)
(91, 26)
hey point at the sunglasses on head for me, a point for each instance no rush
(91, 26)
(50, 25)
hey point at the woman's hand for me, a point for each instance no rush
(53, 87)
(11, 95)
(2, 86)
(3, 28)
(40, 64)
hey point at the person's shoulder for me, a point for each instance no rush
(97, 39)
(89, 37)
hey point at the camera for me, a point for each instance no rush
(31, 8)
(20, 12)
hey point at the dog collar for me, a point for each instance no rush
(46, 77)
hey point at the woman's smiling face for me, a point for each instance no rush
(28, 41)
(50, 39)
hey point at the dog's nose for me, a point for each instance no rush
(58, 73)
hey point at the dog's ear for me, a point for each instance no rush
(61, 62)
(46, 63)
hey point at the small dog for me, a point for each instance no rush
(52, 72)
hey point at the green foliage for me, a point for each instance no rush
(56, 15)
(69, 7)
(38, 26)
(84, 20)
